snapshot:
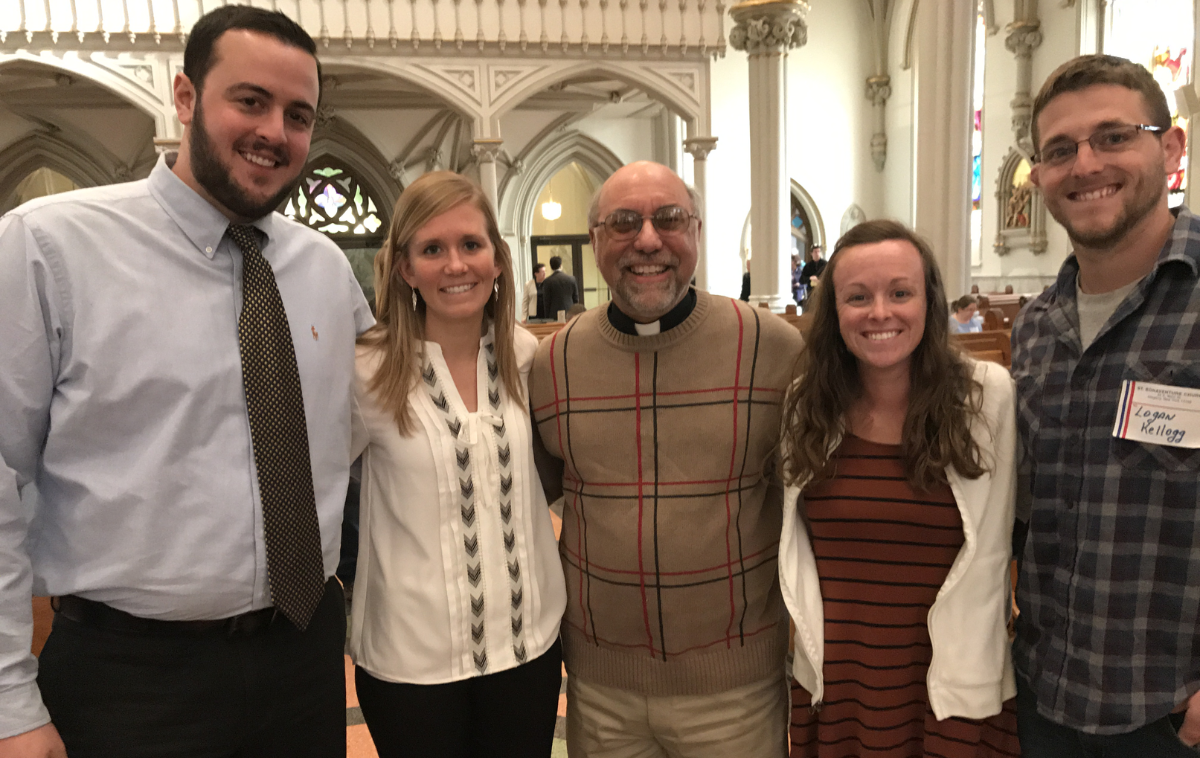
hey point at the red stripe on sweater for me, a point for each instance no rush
(737, 380)
(637, 384)
(563, 450)
(738, 388)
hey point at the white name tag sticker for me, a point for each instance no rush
(1158, 414)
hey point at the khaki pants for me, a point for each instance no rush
(746, 722)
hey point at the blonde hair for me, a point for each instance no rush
(399, 329)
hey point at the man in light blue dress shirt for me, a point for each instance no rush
(122, 400)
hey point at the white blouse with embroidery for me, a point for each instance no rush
(458, 569)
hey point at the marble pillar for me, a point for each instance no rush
(699, 148)
(766, 30)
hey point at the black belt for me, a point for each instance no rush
(101, 616)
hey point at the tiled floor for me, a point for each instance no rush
(358, 739)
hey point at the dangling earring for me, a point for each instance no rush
(414, 300)
(496, 288)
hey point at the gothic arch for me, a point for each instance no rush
(342, 141)
(41, 150)
(682, 91)
(104, 77)
(519, 193)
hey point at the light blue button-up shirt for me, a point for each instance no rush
(121, 398)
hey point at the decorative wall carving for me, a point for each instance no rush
(769, 27)
(1020, 208)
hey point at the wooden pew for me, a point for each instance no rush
(985, 345)
(542, 331)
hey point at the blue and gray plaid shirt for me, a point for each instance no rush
(1109, 632)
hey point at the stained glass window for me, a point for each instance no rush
(1159, 34)
(330, 199)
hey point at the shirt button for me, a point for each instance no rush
(208, 249)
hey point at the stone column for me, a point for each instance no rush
(486, 149)
(879, 89)
(942, 160)
(699, 148)
(766, 30)
(1023, 38)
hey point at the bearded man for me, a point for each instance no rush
(1107, 652)
(177, 383)
(661, 413)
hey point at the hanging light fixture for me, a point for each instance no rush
(550, 209)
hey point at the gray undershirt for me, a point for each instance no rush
(1095, 310)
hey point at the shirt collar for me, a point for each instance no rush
(200, 221)
(672, 319)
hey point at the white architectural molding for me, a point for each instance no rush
(119, 78)
(439, 27)
(683, 87)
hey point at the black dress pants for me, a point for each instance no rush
(273, 692)
(509, 714)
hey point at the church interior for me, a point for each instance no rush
(794, 120)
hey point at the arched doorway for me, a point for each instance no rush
(40, 183)
(560, 229)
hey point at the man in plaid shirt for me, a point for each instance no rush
(1108, 640)
(662, 411)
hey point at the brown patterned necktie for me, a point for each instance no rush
(275, 402)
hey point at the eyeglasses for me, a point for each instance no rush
(624, 223)
(1110, 139)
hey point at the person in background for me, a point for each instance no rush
(660, 413)
(1108, 640)
(899, 459)
(532, 305)
(811, 273)
(459, 591)
(560, 290)
(965, 317)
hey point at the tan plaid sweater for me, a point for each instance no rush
(670, 525)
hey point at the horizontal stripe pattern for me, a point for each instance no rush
(883, 551)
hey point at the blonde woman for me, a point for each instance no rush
(459, 591)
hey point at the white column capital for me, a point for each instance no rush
(486, 149)
(699, 147)
(165, 145)
(879, 89)
(769, 26)
(1023, 37)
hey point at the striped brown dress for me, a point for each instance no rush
(883, 550)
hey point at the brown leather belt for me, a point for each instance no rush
(101, 616)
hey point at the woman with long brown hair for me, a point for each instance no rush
(898, 456)
(459, 591)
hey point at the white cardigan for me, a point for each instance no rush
(411, 614)
(970, 673)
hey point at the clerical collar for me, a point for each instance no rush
(672, 319)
